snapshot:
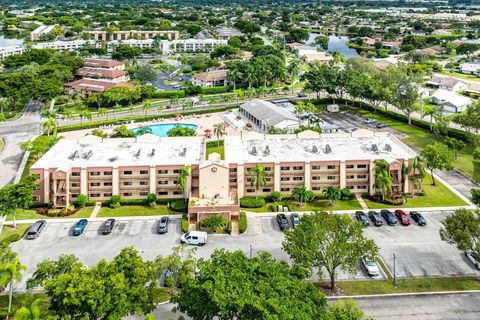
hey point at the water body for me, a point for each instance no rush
(4, 42)
(335, 43)
(161, 130)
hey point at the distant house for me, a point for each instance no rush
(471, 67)
(100, 73)
(451, 102)
(473, 89)
(210, 78)
(226, 33)
(311, 54)
(85, 87)
(446, 83)
(40, 31)
(105, 64)
(265, 115)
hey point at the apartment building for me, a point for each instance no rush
(11, 50)
(136, 167)
(101, 35)
(40, 31)
(72, 45)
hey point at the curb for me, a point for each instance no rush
(64, 220)
(403, 294)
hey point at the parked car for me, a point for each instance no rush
(295, 218)
(198, 238)
(302, 95)
(371, 267)
(381, 125)
(402, 217)
(108, 226)
(362, 218)
(389, 217)
(282, 221)
(35, 229)
(162, 226)
(369, 121)
(376, 218)
(79, 227)
(472, 259)
(418, 218)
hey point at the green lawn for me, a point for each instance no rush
(409, 285)
(134, 211)
(32, 214)
(439, 196)
(462, 76)
(317, 205)
(8, 230)
(420, 138)
(220, 150)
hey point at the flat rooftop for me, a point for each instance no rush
(364, 145)
(91, 151)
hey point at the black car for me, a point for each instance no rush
(362, 218)
(376, 218)
(381, 125)
(108, 226)
(282, 221)
(389, 216)
(295, 218)
(302, 95)
(418, 218)
(162, 226)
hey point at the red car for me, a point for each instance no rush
(402, 217)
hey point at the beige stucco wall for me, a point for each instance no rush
(214, 179)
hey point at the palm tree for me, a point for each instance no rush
(250, 75)
(293, 70)
(219, 131)
(116, 107)
(259, 178)
(183, 178)
(147, 105)
(432, 111)
(33, 312)
(141, 130)
(102, 112)
(415, 172)
(50, 125)
(232, 75)
(332, 193)
(9, 272)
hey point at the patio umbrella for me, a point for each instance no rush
(208, 130)
(177, 115)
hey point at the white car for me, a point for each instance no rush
(470, 257)
(371, 267)
(198, 238)
(370, 120)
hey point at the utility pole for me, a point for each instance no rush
(394, 271)
(251, 252)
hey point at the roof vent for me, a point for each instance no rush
(314, 149)
(328, 149)
(184, 152)
(374, 148)
(388, 148)
(152, 153)
(267, 150)
(88, 155)
(137, 154)
(74, 155)
(113, 159)
(254, 151)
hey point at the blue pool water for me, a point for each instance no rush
(162, 129)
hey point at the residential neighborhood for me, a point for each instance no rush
(240, 160)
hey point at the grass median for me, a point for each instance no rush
(124, 211)
(316, 205)
(23, 214)
(8, 230)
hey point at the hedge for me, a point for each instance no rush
(11, 238)
(185, 223)
(168, 94)
(96, 124)
(252, 202)
(242, 225)
(214, 90)
(213, 144)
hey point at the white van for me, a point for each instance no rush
(194, 237)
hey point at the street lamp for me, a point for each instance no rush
(394, 271)
(251, 252)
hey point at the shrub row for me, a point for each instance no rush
(242, 225)
(252, 202)
(11, 238)
(213, 144)
(214, 90)
(184, 223)
(96, 124)
(177, 205)
(168, 94)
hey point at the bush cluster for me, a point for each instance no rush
(242, 225)
(252, 202)
(167, 94)
(179, 205)
(276, 206)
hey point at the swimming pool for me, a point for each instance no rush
(162, 128)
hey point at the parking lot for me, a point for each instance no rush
(349, 121)
(419, 250)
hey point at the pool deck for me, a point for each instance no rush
(203, 122)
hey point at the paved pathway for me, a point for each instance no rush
(95, 210)
(14, 132)
(362, 202)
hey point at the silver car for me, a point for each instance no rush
(371, 267)
(469, 255)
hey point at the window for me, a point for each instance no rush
(143, 194)
(331, 177)
(233, 169)
(350, 187)
(267, 190)
(107, 184)
(95, 173)
(361, 176)
(351, 177)
(331, 167)
(297, 178)
(285, 179)
(285, 168)
(250, 190)
(297, 168)
(74, 195)
(285, 189)
(75, 174)
(362, 187)
(316, 178)
(35, 198)
(350, 166)
(127, 183)
(163, 182)
(233, 180)
(107, 173)
(129, 172)
(144, 183)
(143, 171)
(162, 193)
(95, 184)
(268, 168)
(94, 195)
(162, 171)
(127, 194)
(176, 171)
(316, 188)
(177, 192)
(175, 181)
(268, 179)
(107, 194)
(362, 166)
(316, 167)
(75, 184)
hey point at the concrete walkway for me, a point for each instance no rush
(95, 210)
(362, 202)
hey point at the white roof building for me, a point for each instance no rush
(450, 101)
(265, 115)
(470, 67)
(42, 30)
